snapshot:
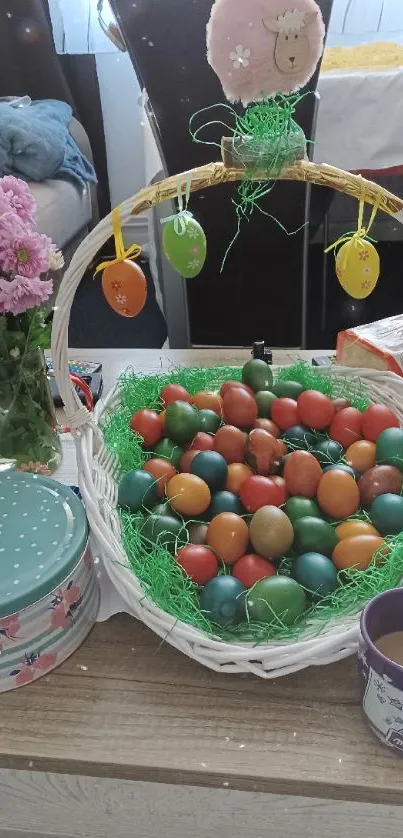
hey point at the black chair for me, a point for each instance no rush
(260, 291)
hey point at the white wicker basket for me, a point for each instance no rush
(320, 644)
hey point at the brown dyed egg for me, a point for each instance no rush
(357, 551)
(125, 288)
(302, 474)
(237, 474)
(338, 494)
(348, 529)
(240, 408)
(267, 425)
(228, 536)
(380, 480)
(186, 459)
(271, 532)
(197, 532)
(230, 443)
(261, 451)
(188, 494)
(361, 455)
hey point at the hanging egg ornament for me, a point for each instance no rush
(184, 244)
(125, 288)
(358, 267)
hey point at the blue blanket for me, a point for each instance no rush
(35, 143)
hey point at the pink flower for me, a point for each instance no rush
(21, 293)
(20, 197)
(5, 205)
(10, 227)
(27, 254)
(25, 676)
(59, 618)
(72, 594)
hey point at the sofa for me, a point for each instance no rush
(65, 212)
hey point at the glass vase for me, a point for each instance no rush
(27, 417)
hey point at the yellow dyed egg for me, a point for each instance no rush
(358, 268)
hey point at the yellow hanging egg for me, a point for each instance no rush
(358, 267)
(125, 288)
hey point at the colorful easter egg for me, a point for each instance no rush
(186, 251)
(125, 288)
(276, 599)
(358, 267)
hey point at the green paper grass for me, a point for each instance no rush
(160, 576)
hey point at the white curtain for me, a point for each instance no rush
(365, 21)
(76, 27)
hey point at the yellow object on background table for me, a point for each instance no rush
(382, 55)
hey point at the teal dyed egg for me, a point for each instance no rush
(316, 573)
(209, 421)
(389, 448)
(137, 490)
(222, 600)
(211, 467)
(276, 596)
(224, 502)
(387, 513)
(187, 252)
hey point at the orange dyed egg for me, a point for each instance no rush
(188, 494)
(237, 474)
(206, 400)
(338, 495)
(348, 529)
(357, 551)
(228, 536)
(125, 288)
(162, 470)
(361, 455)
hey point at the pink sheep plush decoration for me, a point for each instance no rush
(262, 47)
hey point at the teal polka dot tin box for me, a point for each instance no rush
(49, 594)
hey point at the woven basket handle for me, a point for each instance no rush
(212, 174)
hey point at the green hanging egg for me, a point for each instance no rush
(187, 251)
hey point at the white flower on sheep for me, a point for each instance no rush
(291, 21)
(240, 57)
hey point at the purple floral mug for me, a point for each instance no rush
(382, 678)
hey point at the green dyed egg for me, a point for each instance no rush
(276, 596)
(316, 573)
(211, 467)
(187, 252)
(287, 389)
(299, 507)
(389, 448)
(224, 502)
(164, 508)
(327, 452)
(387, 513)
(223, 600)
(137, 490)
(163, 530)
(169, 450)
(314, 535)
(181, 422)
(257, 375)
(209, 421)
(264, 400)
(299, 437)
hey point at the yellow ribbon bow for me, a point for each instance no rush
(361, 233)
(133, 251)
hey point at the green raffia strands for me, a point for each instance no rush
(161, 578)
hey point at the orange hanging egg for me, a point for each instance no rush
(125, 288)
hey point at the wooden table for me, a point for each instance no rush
(131, 738)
